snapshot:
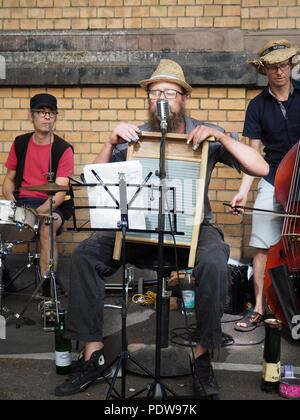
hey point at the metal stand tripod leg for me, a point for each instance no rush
(124, 356)
(6, 314)
(32, 262)
(32, 297)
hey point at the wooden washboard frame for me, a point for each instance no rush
(176, 149)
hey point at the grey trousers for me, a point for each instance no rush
(91, 264)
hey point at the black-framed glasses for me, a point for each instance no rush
(273, 68)
(168, 93)
(41, 113)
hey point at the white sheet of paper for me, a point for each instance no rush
(109, 174)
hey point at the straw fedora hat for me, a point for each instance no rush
(274, 52)
(168, 71)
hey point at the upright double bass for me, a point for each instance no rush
(282, 275)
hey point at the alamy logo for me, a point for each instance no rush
(296, 328)
(2, 67)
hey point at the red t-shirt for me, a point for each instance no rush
(37, 166)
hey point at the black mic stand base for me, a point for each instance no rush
(157, 391)
(175, 359)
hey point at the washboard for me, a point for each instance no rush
(182, 163)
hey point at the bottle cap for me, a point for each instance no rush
(273, 323)
(288, 371)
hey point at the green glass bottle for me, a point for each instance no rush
(271, 364)
(63, 347)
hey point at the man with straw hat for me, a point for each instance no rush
(273, 119)
(92, 260)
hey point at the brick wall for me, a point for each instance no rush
(270, 14)
(87, 115)
(142, 14)
(118, 14)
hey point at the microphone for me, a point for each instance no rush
(163, 114)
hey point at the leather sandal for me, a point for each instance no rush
(249, 322)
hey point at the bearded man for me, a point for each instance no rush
(92, 260)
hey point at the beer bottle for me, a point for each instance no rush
(63, 355)
(271, 364)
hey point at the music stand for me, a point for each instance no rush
(123, 228)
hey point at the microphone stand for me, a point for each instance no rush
(157, 390)
(124, 356)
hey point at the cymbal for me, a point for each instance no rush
(48, 188)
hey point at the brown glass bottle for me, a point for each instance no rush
(271, 364)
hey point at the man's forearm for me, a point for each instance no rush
(251, 161)
(246, 184)
(8, 190)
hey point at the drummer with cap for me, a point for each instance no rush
(28, 165)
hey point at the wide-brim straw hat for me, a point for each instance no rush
(274, 52)
(168, 71)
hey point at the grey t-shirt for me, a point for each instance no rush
(217, 154)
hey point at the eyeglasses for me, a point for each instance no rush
(42, 114)
(273, 68)
(168, 93)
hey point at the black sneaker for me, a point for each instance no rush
(204, 380)
(83, 374)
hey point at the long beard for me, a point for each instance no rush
(175, 121)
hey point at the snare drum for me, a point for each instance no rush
(17, 223)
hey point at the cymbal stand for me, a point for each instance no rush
(49, 221)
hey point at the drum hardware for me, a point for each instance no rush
(50, 306)
(48, 188)
(17, 223)
(5, 313)
(33, 261)
(48, 309)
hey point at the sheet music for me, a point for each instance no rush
(109, 174)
